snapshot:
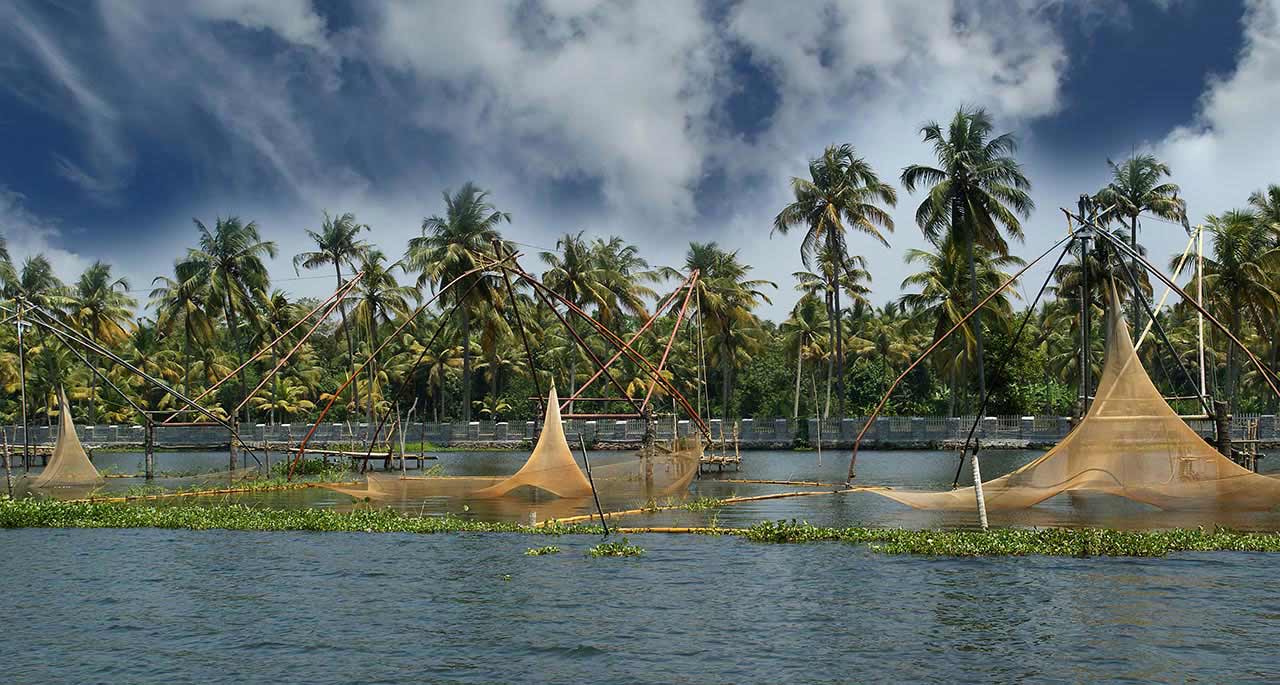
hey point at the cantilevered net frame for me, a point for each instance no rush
(1131, 444)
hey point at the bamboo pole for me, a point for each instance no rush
(149, 449)
(22, 382)
(1200, 298)
(8, 469)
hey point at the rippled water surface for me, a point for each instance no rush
(159, 606)
(923, 470)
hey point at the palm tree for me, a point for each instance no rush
(851, 277)
(1239, 277)
(579, 276)
(451, 245)
(804, 332)
(229, 258)
(725, 300)
(1266, 205)
(181, 299)
(99, 306)
(337, 243)
(6, 264)
(976, 190)
(944, 294)
(842, 193)
(379, 299)
(1135, 188)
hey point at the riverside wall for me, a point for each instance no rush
(887, 432)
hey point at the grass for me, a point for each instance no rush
(36, 513)
(615, 549)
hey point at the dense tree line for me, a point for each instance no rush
(835, 354)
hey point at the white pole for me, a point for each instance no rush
(977, 489)
(1200, 301)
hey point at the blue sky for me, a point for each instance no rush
(661, 122)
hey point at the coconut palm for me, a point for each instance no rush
(451, 245)
(379, 299)
(977, 192)
(6, 264)
(805, 331)
(943, 294)
(99, 306)
(230, 259)
(180, 300)
(1239, 278)
(725, 300)
(843, 193)
(1136, 186)
(1266, 206)
(338, 242)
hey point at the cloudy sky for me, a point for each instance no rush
(663, 122)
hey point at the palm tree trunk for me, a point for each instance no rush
(1232, 371)
(186, 353)
(831, 358)
(573, 374)
(726, 368)
(1134, 313)
(795, 412)
(373, 367)
(351, 346)
(93, 390)
(951, 396)
(466, 363)
(237, 343)
(977, 323)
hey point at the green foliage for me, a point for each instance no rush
(615, 549)
(704, 504)
(541, 551)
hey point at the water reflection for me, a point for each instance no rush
(923, 470)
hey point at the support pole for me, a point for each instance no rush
(977, 490)
(235, 449)
(149, 449)
(1222, 427)
(587, 463)
(1200, 300)
(8, 468)
(22, 382)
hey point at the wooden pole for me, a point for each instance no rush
(586, 461)
(235, 450)
(22, 382)
(1222, 427)
(149, 449)
(8, 469)
(1200, 299)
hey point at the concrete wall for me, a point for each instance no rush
(886, 432)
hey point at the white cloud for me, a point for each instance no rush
(294, 20)
(1229, 150)
(29, 235)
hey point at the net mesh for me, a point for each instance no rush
(69, 466)
(1131, 444)
(551, 468)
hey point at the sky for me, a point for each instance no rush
(661, 122)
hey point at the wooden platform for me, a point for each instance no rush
(720, 462)
(355, 456)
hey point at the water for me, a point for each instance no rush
(923, 470)
(152, 606)
(159, 606)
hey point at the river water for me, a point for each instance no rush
(165, 606)
(922, 470)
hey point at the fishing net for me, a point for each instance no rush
(665, 470)
(69, 466)
(1130, 444)
(551, 466)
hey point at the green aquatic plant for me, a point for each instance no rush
(45, 513)
(703, 504)
(615, 549)
(541, 551)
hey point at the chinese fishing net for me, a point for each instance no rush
(1131, 444)
(69, 467)
(552, 469)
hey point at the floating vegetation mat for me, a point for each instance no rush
(34, 513)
